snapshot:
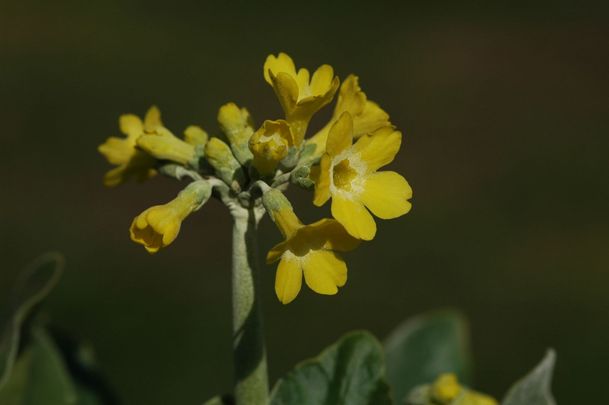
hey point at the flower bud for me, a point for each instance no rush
(220, 157)
(163, 145)
(281, 212)
(237, 125)
(159, 226)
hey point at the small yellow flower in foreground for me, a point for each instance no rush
(270, 144)
(348, 174)
(300, 95)
(236, 123)
(308, 249)
(159, 226)
(367, 115)
(446, 389)
(131, 162)
(164, 145)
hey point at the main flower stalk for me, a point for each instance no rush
(249, 351)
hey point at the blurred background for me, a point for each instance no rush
(505, 116)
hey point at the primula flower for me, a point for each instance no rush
(159, 226)
(270, 144)
(309, 250)
(131, 162)
(367, 115)
(347, 173)
(300, 97)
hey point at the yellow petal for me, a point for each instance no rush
(130, 125)
(386, 194)
(288, 279)
(333, 235)
(351, 98)
(117, 150)
(354, 217)
(340, 136)
(152, 120)
(302, 78)
(322, 181)
(286, 89)
(371, 119)
(324, 272)
(275, 64)
(276, 252)
(379, 148)
(321, 82)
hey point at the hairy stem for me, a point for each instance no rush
(251, 380)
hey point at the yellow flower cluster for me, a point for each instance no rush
(249, 165)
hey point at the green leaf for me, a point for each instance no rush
(39, 376)
(220, 400)
(424, 347)
(349, 372)
(36, 282)
(534, 388)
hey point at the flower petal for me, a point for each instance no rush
(288, 279)
(321, 82)
(276, 252)
(130, 125)
(322, 181)
(286, 89)
(386, 194)
(333, 235)
(324, 272)
(276, 64)
(354, 217)
(152, 120)
(340, 136)
(302, 78)
(379, 148)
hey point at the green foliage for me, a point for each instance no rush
(39, 376)
(424, 347)
(34, 369)
(37, 281)
(534, 388)
(350, 371)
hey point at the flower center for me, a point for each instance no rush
(343, 175)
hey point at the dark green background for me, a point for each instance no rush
(505, 116)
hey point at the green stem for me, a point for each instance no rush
(251, 380)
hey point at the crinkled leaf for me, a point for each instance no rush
(37, 281)
(349, 372)
(424, 347)
(534, 388)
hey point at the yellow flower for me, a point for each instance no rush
(311, 250)
(159, 226)
(164, 145)
(447, 391)
(347, 173)
(367, 115)
(300, 97)
(131, 162)
(270, 144)
(236, 124)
